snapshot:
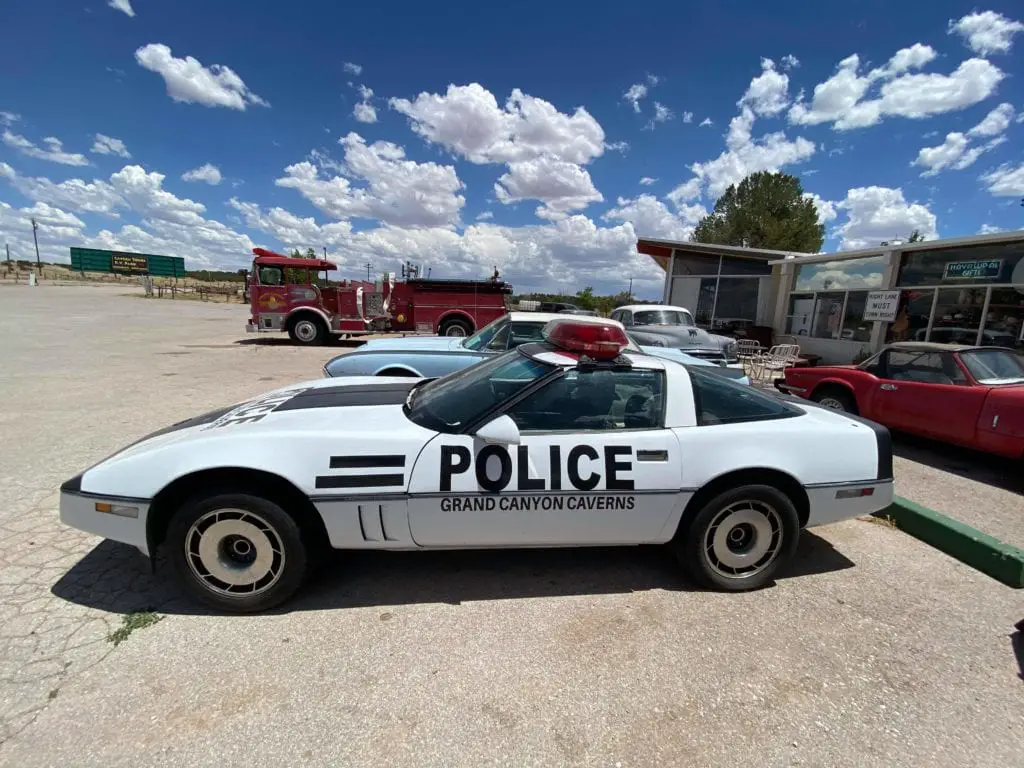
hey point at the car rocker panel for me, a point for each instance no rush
(396, 463)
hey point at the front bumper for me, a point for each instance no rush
(832, 503)
(81, 511)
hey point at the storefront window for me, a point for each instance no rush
(828, 316)
(735, 266)
(705, 301)
(848, 274)
(695, 263)
(801, 311)
(737, 300)
(855, 328)
(1005, 319)
(957, 316)
(974, 265)
(912, 316)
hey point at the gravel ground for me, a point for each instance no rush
(875, 650)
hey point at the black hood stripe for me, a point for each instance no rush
(347, 396)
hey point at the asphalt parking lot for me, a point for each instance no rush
(876, 649)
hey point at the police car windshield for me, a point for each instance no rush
(451, 403)
(482, 338)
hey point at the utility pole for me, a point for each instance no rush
(8, 253)
(325, 253)
(630, 287)
(36, 240)
(369, 266)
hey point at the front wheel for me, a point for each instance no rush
(307, 330)
(835, 399)
(740, 538)
(237, 552)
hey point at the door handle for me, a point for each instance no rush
(889, 387)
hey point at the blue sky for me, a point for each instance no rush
(535, 137)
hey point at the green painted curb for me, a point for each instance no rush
(970, 546)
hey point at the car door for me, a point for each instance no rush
(927, 393)
(593, 465)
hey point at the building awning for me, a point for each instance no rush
(661, 250)
(925, 245)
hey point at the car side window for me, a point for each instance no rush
(499, 342)
(595, 400)
(625, 317)
(719, 400)
(523, 333)
(924, 367)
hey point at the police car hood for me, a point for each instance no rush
(300, 432)
(415, 343)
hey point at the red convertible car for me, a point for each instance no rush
(971, 396)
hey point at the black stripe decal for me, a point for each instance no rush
(361, 462)
(346, 396)
(359, 481)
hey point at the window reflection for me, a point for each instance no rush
(1005, 319)
(957, 316)
(912, 316)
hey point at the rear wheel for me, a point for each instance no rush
(456, 326)
(306, 330)
(237, 552)
(739, 539)
(835, 398)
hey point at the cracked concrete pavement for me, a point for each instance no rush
(876, 649)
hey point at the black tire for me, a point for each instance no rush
(455, 326)
(187, 542)
(836, 398)
(307, 330)
(733, 564)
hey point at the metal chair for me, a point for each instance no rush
(775, 361)
(748, 351)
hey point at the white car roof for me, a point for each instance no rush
(542, 318)
(646, 307)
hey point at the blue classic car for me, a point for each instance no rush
(433, 356)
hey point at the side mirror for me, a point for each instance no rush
(500, 431)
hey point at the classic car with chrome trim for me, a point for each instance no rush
(963, 394)
(659, 325)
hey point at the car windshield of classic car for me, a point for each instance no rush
(993, 367)
(662, 317)
(492, 332)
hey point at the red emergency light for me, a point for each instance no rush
(601, 341)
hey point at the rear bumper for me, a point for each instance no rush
(127, 523)
(832, 503)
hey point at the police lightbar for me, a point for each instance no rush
(601, 341)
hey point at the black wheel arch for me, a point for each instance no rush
(775, 478)
(234, 480)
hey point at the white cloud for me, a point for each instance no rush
(651, 218)
(840, 100)
(365, 93)
(1005, 181)
(789, 61)
(647, 180)
(190, 82)
(207, 172)
(108, 145)
(826, 208)
(689, 190)
(485, 216)
(364, 113)
(634, 94)
(562, 187)
(877, 214)
(995, 122)
(989, 229)
(468, 121)
(397, 191)
(706, 121)
(687, 117)
(52, 152)
(987, 32)
(9, 118)
(770, 153)
(76, 194)
(355, 69)
(662, 114)
(768, 93)
(57, 230)
(124, 6)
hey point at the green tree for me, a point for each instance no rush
(765, 210)
(311, 253)
(296, 253)
(585, 299)
(916, 237)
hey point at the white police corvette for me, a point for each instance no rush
(569, 442)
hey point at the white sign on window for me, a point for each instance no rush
(881, 306)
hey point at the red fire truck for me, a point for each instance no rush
(284, 296)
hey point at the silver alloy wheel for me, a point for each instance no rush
(455, 329)
(833, 403)
(743, 539)
(234, 552)
(305, 330)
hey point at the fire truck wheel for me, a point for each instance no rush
(456, 327)
(307, 330)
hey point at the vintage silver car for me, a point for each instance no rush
(658, 325)
(433, 356)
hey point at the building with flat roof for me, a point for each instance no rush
(845, 305)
